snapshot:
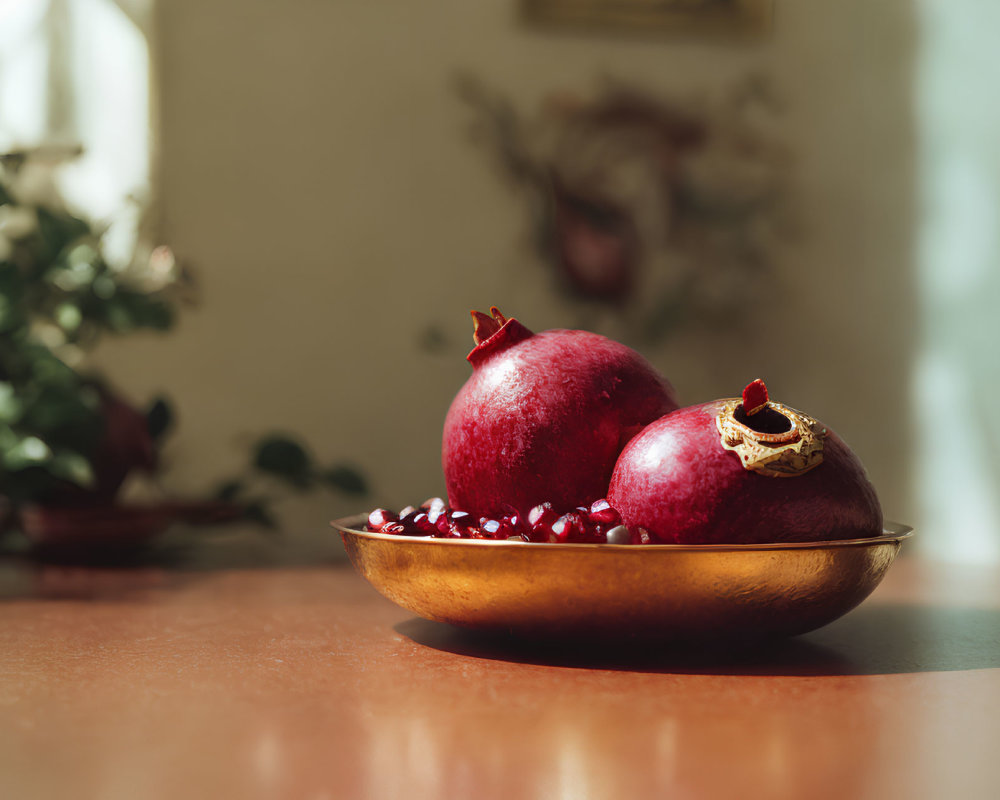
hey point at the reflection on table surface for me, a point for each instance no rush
(303, 682)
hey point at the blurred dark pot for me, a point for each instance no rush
(105, 528)
(93, 526)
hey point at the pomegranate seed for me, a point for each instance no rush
(560, 530)
(619, 535)
(539, 512)
(597, 523)
(461, 519)
(569, 528)
(435, 503)
(540, 533)
(602, 511)
(490, 527)
(443, 524)
(409, 519)
(593, 532)
(423, 523)
(541, 519)
(379, 518)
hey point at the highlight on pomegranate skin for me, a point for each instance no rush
(721, 473)
(544, 417)
(597, 523)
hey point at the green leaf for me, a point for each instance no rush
(345, 478)
(104, 287)
(258, 513)
(285, 458)
(10, 404)
(118, 316)
(52, 408)
(29, 451)
(72, 467)
(76, 269)
(57, 231)
(229, 491)
(157, 315)
(8, 438)
(68, 316)
(12, 307)
(48, 369)
(12, 283)
(11, 316)
(159, 418)
(127, 310)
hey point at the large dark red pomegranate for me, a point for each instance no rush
(543, 417)
(743, 471)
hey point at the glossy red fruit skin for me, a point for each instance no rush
(676, 480)
(543, 418)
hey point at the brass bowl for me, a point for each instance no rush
(600, 591)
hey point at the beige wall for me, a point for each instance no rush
(315, 170)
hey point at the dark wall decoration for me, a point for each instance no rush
(663, 210)
(671, 17)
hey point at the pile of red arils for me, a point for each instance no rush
(597, 524)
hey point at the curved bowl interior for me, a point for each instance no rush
(623, 591)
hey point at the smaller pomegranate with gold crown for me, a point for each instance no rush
(743, 471)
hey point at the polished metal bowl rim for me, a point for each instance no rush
(891, 532)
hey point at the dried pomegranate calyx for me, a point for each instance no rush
(780, 442)
(484, 326)
(493, 334)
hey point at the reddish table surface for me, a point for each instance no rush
(305, 683)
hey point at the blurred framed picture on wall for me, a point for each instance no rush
(668, 17)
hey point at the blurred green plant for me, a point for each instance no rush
(284, 459)
(66, 438)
